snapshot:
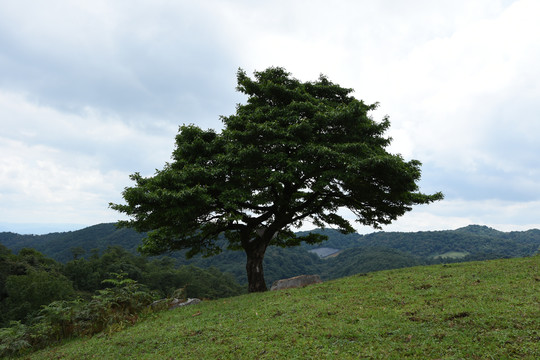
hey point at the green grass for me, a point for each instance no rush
(480, 310)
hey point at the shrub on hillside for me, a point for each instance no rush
(112, 308)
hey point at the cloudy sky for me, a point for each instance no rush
(92, 91)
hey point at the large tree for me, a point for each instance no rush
(296, 151)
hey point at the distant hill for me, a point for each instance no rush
(59, 245)
(358, 253)
(474, 239)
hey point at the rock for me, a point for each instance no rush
(161, 304)
(176, 303)
(164, 304)
(297, 281)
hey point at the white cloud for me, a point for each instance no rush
(66, 168)
(91, 91)
(39, 184)
(456, 213)
(452, 214)
(453, 83)
(165, 59)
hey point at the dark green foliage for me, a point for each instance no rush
(59, 318)
(161, 274)
(166, 277)
(88, 275)
(480, 242)
(27, 293)
(284, 263)
(279, 263)
(14, 339)
(364, 260)
(118, 305)
(210, 283)
(82, 241)
(7, 267)
(120, 302)
(335, 239)
(39, 304)
(29, 280)
(472, 239)
(294, 152)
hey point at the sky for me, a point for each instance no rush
(93, 91)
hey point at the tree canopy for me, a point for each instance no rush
(294, 152)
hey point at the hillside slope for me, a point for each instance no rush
(469, 310)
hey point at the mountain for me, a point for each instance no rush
(358, 253)
(473, 240)
(60, 246)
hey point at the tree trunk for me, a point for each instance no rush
(254, 268)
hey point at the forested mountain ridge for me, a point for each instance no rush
(472, 239)
(359, 253)
(60, 245)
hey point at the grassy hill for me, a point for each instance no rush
(475, 310)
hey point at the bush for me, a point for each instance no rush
(112, 308)
(14, 339)
(119, 304)
(27, 293)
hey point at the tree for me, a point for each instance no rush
(296, 151)
(27, 293)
